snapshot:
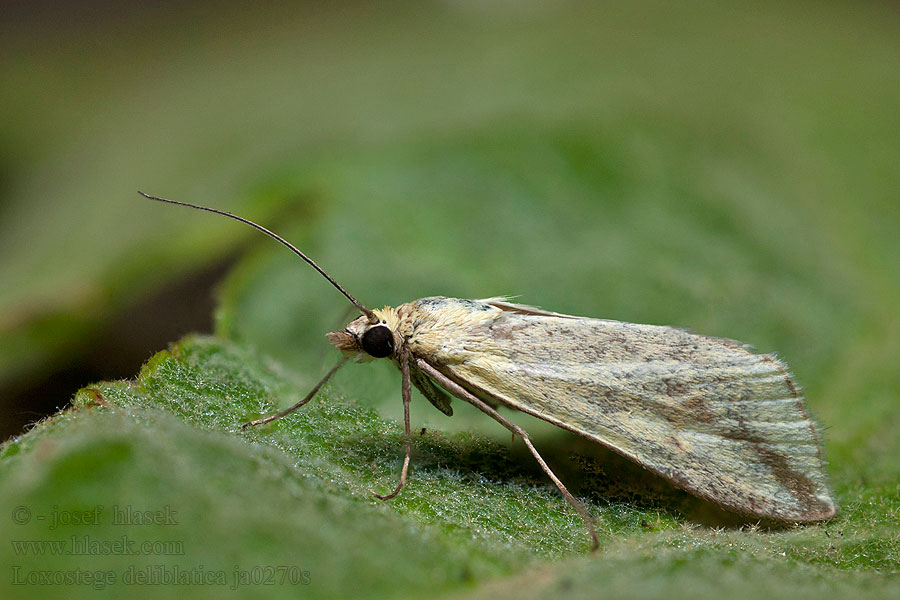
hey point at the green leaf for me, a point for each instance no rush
(297, 494)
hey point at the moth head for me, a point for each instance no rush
(364, 341)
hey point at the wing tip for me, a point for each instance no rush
(826, 510)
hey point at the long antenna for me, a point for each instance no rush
(365, 311)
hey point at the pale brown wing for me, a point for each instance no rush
(706, 413)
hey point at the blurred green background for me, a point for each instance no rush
(731, 169)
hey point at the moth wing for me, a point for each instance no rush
(706, 413)
(503, 303)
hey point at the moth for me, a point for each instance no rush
(706, 413)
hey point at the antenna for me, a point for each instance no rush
(365, 311)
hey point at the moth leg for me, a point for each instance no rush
(302, 402)
(462, 393)
(406, 390)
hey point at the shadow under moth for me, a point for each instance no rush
(706, 413)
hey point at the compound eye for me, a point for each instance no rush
(378, 341)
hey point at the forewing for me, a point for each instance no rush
(706, 413)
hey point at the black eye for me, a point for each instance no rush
(378, 341)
